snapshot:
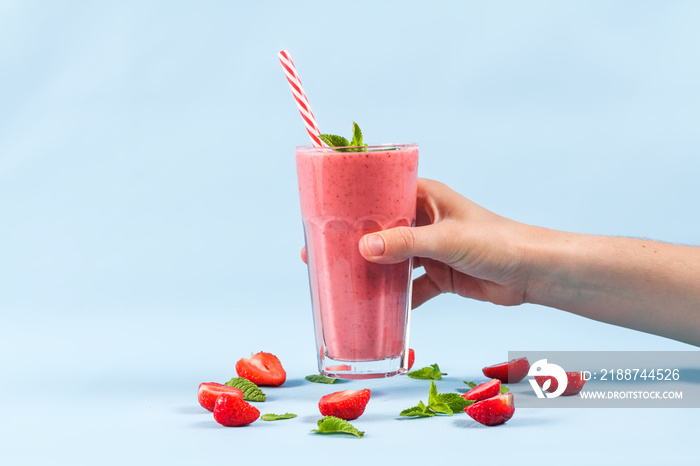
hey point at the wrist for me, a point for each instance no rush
(549, 256)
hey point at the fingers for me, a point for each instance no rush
(423, 290)
(398, 244)
(436, 201)
(431, 238)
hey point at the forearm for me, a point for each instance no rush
(645, 285)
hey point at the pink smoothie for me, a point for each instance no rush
(360, 308)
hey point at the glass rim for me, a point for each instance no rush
(369, 148)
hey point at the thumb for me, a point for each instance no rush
(398, 244)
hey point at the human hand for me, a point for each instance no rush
(462, 247)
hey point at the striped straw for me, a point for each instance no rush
(300, 97)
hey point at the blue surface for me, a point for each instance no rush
(150, 227)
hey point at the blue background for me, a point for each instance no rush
(150, 227)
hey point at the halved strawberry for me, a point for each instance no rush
(348, 404)
(512, 371)
(411, 358)
(208, 391)
(231, 411)
(492, 411)
(574, 383)
(484, 390)
(262, 369)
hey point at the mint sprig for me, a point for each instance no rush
(335, 425)
(251, 392)
(427, 373)
(342, 144)
(438, 403)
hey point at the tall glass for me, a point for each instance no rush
(361, 309)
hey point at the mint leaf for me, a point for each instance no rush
(335, 425)
(438, 403)
(435, 403)
(432, 393)
(427, 373)
(418, 411)
(356, 136)
(441, 408)
(470, 384)
(455, 401)
(277, 417)
(251, 392)
(344, 145)
(318, 378)
(334, 141)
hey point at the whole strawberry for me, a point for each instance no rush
(492, 411)
(348, 404)
(232, 411)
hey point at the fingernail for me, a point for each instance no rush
(375, 244)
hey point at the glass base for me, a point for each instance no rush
(340, 369)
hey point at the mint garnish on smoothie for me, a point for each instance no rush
(342, 144)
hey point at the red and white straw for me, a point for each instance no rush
(300, 96)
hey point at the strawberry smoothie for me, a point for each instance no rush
(360, 309)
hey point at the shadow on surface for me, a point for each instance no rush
(190, 410)
(469, 423)
(208, 424)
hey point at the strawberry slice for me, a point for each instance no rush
(262, 369)
(492, 411)
(512, 371)
(208, 391)
(231, 411)
(411, 358)
(574, 383)
(483, 391)
(348, 404)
